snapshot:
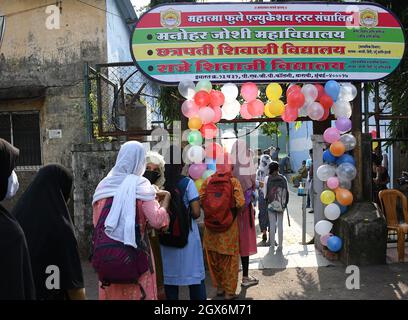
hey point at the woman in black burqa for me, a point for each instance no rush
(43, 214)
(16, 280)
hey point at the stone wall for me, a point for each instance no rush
(90, 163)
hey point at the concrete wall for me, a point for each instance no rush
(299, 143)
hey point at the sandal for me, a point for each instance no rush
(250, 281)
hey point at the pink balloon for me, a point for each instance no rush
(256, 108)
(320, 91)
(324, 238)
(196, 170)
(333, 183)
(217, 114)
(296, 99)
(292, 88)
(216, 98)
(189, 108)
(244, 111)
(290, 114)
(206, 114)
(249, 91)
(331, 135)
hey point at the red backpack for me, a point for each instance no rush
(219, 203)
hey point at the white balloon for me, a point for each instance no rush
(325, 171)
(346, 171)
(187, 89)
(347, 92)
(342, 109)
(230, 91)
(230, 110)
(310, 92)
(345, 184)
(195, 154)
(315, 110)
(332, 211)
(349, 141)
(323, 227)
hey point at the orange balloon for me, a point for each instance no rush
(195, 123)
(337, 148)
(344, 197)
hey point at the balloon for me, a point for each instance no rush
(207, 173)
(327, 197)
(332, 211)
(345, 184)
(195, 154)
(302, 112)
(292, 88)
(334, 243)
(342, 109)
(230, 91)
(325, 115)
(349, 141)
(346, 171)
(337, 148)
(323, 227)
(343, 209)
(331, 135)
(189, 109)
(273, 91)
(244, 112)
(217, 98)
(276, 107)
(328, 157)
(310, 92)
(332, 88)
(326, 101)
(343, 124)
(187, 89)
(290, 114)
(195, 123)
(346, 158)
(267, 112)
(209, 131)
(196, 170)
(204, 85)
(375, 145)
(195, 138)
(206, 114)
(296, 99)
(213, 150)
(347, 92)
(198, 183)
(217, 114)
(344, 197)
(315, 111)
(333, 183)
(256, 108)
(231, 109)
(323, 239)
(202, 98)
(249, 91)
(320, 91)
(325, 171)
(373, 134)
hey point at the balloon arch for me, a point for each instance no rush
(205, 107)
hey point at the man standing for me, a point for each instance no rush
(309, 184)
(275, 155)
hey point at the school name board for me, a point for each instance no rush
(233, 42)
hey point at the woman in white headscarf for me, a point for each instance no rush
(126, 185)
(261, 173)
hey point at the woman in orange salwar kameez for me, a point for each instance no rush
(222, 248)
(127, 187)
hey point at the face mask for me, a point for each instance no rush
(152, 176)
(13, 185)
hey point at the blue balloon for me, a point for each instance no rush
(346, 158)
(334, 243)
(328, 157)
(343, 209)
(211, 164)
(332, 88)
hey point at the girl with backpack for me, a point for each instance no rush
(275, 189)
(130, 201)
(183, 265)
(261, 173)
(221, 198)
(244, 171)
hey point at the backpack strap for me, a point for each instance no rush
(183, 184)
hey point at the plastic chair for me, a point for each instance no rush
(389, 199)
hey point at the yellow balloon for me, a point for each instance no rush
(195, 123)
(375, 145)
(273, 91)
(327, 197)
(276, 107)
(198, 184)
(268, 112)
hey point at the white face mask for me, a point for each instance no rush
(12, 186)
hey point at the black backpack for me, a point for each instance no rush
(180, 218)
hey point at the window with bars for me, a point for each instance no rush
(22, 129)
